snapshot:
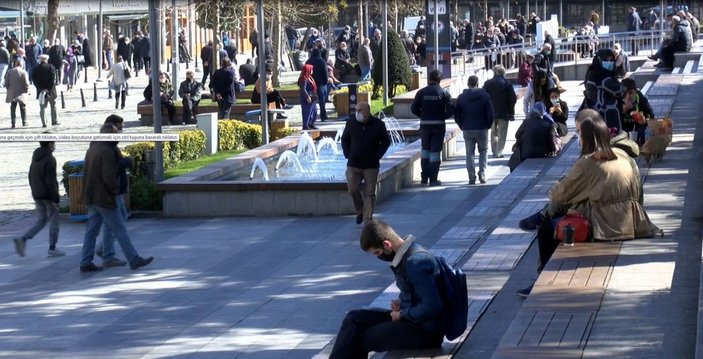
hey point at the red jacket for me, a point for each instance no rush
(524, 75)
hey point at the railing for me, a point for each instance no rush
(568, 49)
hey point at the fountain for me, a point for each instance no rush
(394, 130)
(306, 145)
(286, 157)
(259, 163)
(338, 135)
(327, 142)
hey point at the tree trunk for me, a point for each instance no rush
(276, 38)
(52, 19)
(215, 40)
(362, 26)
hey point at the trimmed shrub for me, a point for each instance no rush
(283, 132)
(143, 194)
(398, 64)
(234, 135)
(69, 168)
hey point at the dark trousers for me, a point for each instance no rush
(190, 110)
(59, 72)
(147, 64)
(206, 73)
(23, 112)
(363, 331)
(432, 140)
(634, 46)
(224, 108)
(120, 94)
(274, 96)
(321, 100)
(171, 110)
(667, 56)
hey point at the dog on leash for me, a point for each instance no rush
(654, 148)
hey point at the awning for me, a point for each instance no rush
(127, 17)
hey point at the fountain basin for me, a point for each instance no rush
(199, 194)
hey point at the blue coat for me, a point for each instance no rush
(474, 110)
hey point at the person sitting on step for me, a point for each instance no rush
(272, 95)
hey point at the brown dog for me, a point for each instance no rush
(654, 148)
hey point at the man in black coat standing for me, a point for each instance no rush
(364, 141)
(503, 98)
(145, 51)
(319, 74)
(633, 25)
(44, 78)
(223, 88)
(57, 53)
(206, 57)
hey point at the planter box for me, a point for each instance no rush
(341, 101)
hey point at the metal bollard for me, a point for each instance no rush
(95, 92)
(82, 98)
(168, 65)
(63, 102)
(85, 72)
(109, 92)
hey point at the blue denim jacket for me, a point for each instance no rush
(416, 277)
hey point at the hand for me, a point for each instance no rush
(395, 305)
(309, 99)
(395, 315)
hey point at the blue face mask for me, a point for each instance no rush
(608, 65)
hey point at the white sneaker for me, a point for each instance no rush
(55, 253)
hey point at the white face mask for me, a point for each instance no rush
(360, 117)
(555, 101)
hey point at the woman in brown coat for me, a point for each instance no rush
(602, 185)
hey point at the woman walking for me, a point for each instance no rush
(70, 69)
(118, 72)
(308, 97)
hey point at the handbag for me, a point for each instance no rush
(580, 225)
(127, 73)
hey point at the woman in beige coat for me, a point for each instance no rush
(602, 185)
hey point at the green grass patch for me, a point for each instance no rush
(377, 106)
(192, 165)
(293, 86)
(209, 102)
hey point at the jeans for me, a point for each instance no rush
(224, 108)
(473, 138)
(321, 100)
(291, 44)
(51, 101)
(123, 95)
(363, 331)
(361, 183)
(114, 220)
(206, 73)
(499, 131)
(365, 74)
(108, 243)
(108, 58)
(48, 212)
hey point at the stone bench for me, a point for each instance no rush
(292, 96)
(681, 58)
(402, 103)
(238, 111)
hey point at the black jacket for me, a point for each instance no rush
(559, 119)
(534, 137)
(56, 55)
(503, 97)
(206, 54)
(44, 78)
(42, 176)
(365, 143)
(145, 47)
(433, 105)
(474, 110)
(248, 73)
(319, 68)
(223, 83)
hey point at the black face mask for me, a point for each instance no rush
(386, 257)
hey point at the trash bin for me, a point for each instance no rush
(79, 211)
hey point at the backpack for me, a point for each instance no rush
(451, 283)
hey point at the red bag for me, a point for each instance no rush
(582, 229)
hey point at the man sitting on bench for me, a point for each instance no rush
(681, 41)
(415, 319)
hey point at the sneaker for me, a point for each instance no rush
(359, 218)
(435, 183)
(141, 262)
(90, 268)
(482, 178)
(472, 181)
(525, 292)
(288, 107)
(281, 117)
(653, 58)
(532, 222)
(19, 246)
(55, 253)
(114, 262)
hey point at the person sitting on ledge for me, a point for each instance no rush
(167, 92)
(603, 186)
(272, 95)
(681, 41)
(635, 110)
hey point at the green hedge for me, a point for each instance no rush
(235, 135)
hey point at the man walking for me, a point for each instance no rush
(633, 26)
(365, 60)
(364, 141)
(57, 54)
(474, 115)
(415, 319)
(4, 61)
(206, 56)
(31, 54)
(17, 84)
(503, 98)
(44, 80)
(45, 191)
(433, 105)
(190, 91)
(223, 88)
(101, 187)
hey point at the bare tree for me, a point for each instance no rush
(52, 19)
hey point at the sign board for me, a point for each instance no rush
(441, 7)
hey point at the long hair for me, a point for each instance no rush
(595, 137)
(538, 89)
(306, 76)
